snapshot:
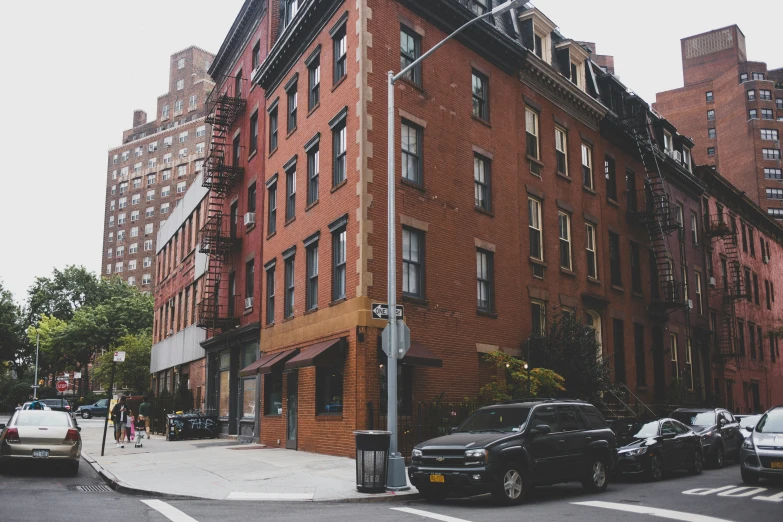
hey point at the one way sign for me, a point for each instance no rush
(381, 311)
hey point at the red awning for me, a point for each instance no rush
(313, 354)
(265, 363)
(420, 355)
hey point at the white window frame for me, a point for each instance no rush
(563, 218)
(561, 145)
(587, 163)
(180, 84)
(535, 224)
(590, 242)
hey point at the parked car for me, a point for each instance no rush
(651, 448)
(58, 404)
(40, 434)
(762, 452)
(747, 423)
(719, 431)
(99, 409)
(507, 448)
(28, 405)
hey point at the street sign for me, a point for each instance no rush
(381, 311)
(77, 375)
(403, 339)
(62, 386)
(119, 356)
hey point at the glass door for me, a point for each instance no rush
(292, 410)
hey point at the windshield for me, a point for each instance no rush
(749, 421)
(636, 430)
(504, 420)
(43, 418)
(771, 422)
(695, 418)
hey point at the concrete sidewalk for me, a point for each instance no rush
(222, 469)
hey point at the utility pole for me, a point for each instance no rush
(106, 422)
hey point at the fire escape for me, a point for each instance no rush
(733, 286)
(216, 310)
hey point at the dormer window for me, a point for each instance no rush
(536, 29)
(572, 58)
(668, 144)
(686, 157)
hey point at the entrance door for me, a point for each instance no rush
(292, 410)
(659, 367)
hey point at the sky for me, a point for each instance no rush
(73, 72)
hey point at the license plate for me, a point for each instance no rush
(778, 464)
(437, 478)
(40, 454)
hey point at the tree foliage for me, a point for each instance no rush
(134, 373)
(14, 349)
(516, 382)
(62, 294)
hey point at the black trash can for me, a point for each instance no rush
(372, 460)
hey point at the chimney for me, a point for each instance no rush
(139, 118)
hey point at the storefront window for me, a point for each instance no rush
(329, 389)
(273, 393)
(249, 397)
(249, 354)
(223, 394)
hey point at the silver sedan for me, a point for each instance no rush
(40, 435)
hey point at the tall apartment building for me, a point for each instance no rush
(151, 171)
(733, 108)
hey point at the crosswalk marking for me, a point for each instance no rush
(656, 512)
(169, 511)
(427, 514)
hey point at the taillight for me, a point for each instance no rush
(72, 435)
(67, 407)
(12, 436)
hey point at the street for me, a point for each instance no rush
(40, 494)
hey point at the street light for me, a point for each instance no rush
(527, 369)
(396, 474)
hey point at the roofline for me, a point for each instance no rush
(194, 47)
(713, 31)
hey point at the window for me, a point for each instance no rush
(339, 271)
(178, 107)
(756, 288)
(641, 363)
(339, 148)
(288, 300)
(291, 8)
(120, 251)
(120, 235)
(694, 228)
(147, 262)
(710, 115)
(290, 199)
(757, 76)
(181, 187)
(479, 7)
(485, 279)
(180, 84)
(311, 288)
(709, 96)
(636, 268)
(761, 342)
(531, 131)
(564, 226)
(125, 155)
(614, 259)
(743, 77)
(773, 173)
(751, 242)
(776, 213)
(766, 114)
(192, 102)
(611, 178)
(534, 228)
(165, 191)
(412, 262)
(587, 166)
(329, 389)
(121, 219)
(710, 151)
(765, 94)
(150, 195)
(132, 264)
(273, 392)
(273, 129)
(111, 237)
(313, 173)
(152, 163)
(561, 151)
(411, 152)
(181, 63)
(164, 208)
(123, 187)
(481, 182)
(253, 145)
(410, 50)
(314, 83)
(293, 98)
(699, 301)
(770, 154)
(480, 96)
(751, 95)
(769, 134)
(149, 226)
(741, 336)
(250, 276)
(538, 317)
(272, 219)
(592, 258)
(773, 193)
(752, 114)
(752, 339)
(340, 42)
(711, 133)
(123, 202)
(165, 112)
(134, 216)
(270, 294)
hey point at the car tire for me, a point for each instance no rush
(748, 477)
(433, 494)
(596, 476)
(86, 415)
(655, 468)
(719, 458)
(698, 464)
(512, 486)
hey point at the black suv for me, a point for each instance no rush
(507, 448)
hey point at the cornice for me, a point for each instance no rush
(234, 43)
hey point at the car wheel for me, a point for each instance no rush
(512, 487)
(86, 415)
(655, 468)
(698, 464)
(717, 459)
(597, 477)
(433, 494)
(748, 477)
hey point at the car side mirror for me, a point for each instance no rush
(540, 429)
(669, 435)
(749, 429)
(78, 428)
(723, 422)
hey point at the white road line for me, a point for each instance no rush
(169, 511)
(656, 512)
(427, 514)
(240, 495)
(743, 491)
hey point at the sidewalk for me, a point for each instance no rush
(221, 469)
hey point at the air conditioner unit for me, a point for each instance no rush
(766, 259)
(690, 304)
(248, 302)
(250, 218)
(712, 282)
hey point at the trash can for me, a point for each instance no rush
(372, 460)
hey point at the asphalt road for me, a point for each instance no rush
(46, 494)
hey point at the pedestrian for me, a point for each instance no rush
(120, 416)
(144, 415)
(129, 426)
(18, 406)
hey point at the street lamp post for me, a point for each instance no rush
(35, 383)
(396, 474)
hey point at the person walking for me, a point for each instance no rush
(144, 415)
(120, 417)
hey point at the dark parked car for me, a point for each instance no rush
(507, 448)
(99, 409)
(58, 404)
(762, 452)
(650, 448)
(719, 430)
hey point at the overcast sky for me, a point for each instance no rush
(73, 72)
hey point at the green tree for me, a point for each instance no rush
(569, 347)
(13, 346)
(135, 371)
(62, 294)
(516, 382)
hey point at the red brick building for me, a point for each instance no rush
(149, 173)
(733, 108)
